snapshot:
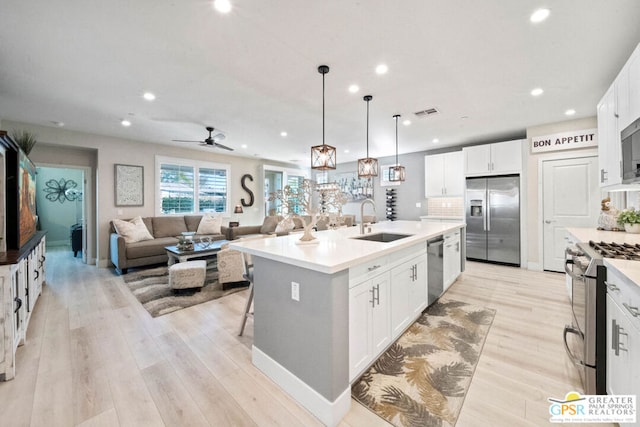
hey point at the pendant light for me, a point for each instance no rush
(367, 167)
(396, 173)
(323, 157)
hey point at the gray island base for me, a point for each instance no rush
(302, 338)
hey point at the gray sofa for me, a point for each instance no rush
(165, 230)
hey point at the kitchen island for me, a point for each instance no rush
(307, 311)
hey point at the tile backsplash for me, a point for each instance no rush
(445, 206)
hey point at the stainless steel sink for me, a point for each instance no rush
(382, 237)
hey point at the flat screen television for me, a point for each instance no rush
(20, 196)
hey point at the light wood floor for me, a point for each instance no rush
(94, 357)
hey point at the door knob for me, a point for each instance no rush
(548, 221)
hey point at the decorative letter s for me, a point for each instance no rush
(244, 187)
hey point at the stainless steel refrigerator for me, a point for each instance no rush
(492, 209)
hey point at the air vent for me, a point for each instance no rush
(428, 112)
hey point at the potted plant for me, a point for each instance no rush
(630, 219)
(25, 140)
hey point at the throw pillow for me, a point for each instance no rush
(132, 231)
(269, 225)
(210, 225)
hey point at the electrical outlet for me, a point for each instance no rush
(418, 204)
(295, 291)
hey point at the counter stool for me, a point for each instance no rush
(186, 275)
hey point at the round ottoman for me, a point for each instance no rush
(186, 275)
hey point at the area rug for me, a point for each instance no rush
(151, 288)
(422, 379)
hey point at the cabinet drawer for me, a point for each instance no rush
(367, 270)
(625, 293)
(410, 252)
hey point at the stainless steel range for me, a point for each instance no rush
(585, 339)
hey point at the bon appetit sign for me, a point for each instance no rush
(565, 141)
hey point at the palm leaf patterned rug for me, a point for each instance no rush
(422, 379)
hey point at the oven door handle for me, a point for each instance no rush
(570, 272)
(570, 329)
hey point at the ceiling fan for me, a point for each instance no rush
(211, 140)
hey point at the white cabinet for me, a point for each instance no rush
(444, 174)
(609, 149)
(493, 159)
(21, 281)
(409, 293)
(451, 264)
(369, 325)
(623, 334)
(385, 296)
(634, 86)
(617, 109)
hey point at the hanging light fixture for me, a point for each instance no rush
(323, 157)
(367, 167)
(396, 173)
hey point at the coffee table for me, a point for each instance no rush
(200, 250)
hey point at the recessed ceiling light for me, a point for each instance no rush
(382, 69)
(346, 151)
(537, 92)
(570, 112)
(354, 88)
(283, 133)
(244, 146)
(125, 123)
(406, 122)
(436, 140)
(222, 6)
(539, 15)
(149, 96)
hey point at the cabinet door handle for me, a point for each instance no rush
(373, 296)
(373, 268)
(633, 310)
(377, 294)
(489, 166)
(620, 346)
(611, 286)
(19, 302)
(614, 336)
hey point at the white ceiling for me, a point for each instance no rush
(253, 72)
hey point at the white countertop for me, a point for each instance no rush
(336, 251)
(586, 234)
(629, 269)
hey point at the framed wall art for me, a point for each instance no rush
(129, 185)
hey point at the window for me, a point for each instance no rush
(188, 186)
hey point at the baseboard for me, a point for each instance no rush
(104, 263)
(330, 413)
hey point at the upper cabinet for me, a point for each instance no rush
(493, 159)
(609, 149)
(444, 175)
(618, 108)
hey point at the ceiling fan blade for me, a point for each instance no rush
(224, 147)
(219, 137)
(183, 140)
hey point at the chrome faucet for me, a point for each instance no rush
(365, 201)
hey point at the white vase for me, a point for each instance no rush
(632, 228)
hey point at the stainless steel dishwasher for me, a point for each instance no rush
(435, 258)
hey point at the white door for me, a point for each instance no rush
(571, 198)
